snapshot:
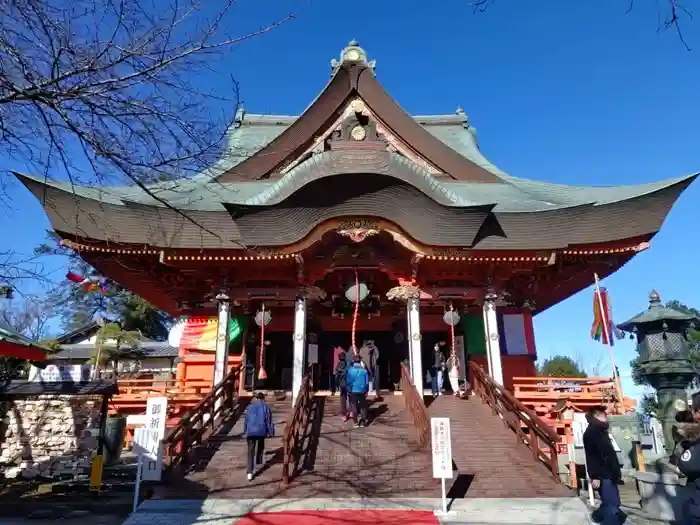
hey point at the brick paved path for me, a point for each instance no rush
(490, 462)
(474, 511)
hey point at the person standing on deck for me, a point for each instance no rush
(358, 385)
(337, 352)
(437, 371)
(603, 466)
(340, 378)
(370, 356)
(257, 426)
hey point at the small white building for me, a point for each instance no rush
(78, 346)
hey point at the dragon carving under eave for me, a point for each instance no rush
(403, 293)
(358, 234)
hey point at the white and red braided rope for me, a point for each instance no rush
(355, 314)
(261, 368)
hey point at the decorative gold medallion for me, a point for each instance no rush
(358, 133)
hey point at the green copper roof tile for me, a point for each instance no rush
(252, 132)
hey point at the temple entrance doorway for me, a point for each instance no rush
(390, 353)
(277, 361)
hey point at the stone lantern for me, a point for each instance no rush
(662, 343)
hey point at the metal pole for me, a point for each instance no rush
(444, 496)
(104, 407)
(137, 489)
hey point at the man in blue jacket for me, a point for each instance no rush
(357, 381)
(257, 426)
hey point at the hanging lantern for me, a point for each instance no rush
(262, 319)
(451, 317)
(357, 293)
(175, 334)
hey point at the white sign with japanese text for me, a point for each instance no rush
(60, 373)
(146, 444)
(156, 416)
(442, 447)
(148, 448)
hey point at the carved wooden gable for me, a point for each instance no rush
(358, 128)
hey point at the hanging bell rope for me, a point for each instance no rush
(355, 351)
(262, 375)
(453, 353)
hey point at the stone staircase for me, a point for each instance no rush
(490, 462)
(382, 460)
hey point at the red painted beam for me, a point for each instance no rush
(8, 349)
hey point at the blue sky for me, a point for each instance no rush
(567, 92)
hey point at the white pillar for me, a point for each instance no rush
(493, 341)
(414, 343)
(221, 356)
(299, 346)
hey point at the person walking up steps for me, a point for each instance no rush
(257, 426)
(357, 380)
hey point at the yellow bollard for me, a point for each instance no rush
(96, 470)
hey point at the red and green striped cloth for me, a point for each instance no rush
(603, 329)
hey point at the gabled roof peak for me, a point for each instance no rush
(352, 54)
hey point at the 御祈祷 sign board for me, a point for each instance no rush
(60, 373)
(156, 416)
(146, 445)
(442, 447)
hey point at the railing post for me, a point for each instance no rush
(534, 443)
(554, 461)
(229, 402)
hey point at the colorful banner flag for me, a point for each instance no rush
(603, 329)
(200, 333)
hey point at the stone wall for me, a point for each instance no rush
(48, 437)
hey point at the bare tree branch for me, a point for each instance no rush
(16, 268)
(672, 20)
(669, 15)
(28, 316)
(106, 91)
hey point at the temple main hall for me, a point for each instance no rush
(354, 223)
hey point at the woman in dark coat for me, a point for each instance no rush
(340, 375)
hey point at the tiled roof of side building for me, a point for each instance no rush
(150, 350)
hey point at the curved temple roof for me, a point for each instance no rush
(435, 162)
